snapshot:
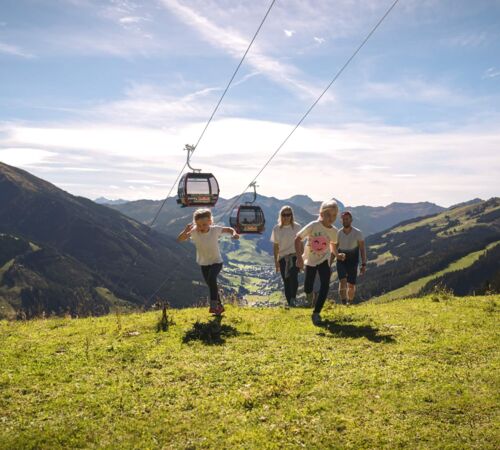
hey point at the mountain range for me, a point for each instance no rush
(457, 249)
(52, 240)
(369, 219)
(63, 254)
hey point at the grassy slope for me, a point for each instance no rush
(413, 373)
(414, 287)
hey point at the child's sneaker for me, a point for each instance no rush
(316, 318)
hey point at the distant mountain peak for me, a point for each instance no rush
(107, 201)
(467, 203)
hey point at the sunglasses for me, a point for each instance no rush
(286, 215)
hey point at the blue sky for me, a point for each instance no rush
(100, 96)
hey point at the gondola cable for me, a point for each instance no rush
(337, 75)
(155, 218)
(303, 117)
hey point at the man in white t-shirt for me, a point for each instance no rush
(350, 243)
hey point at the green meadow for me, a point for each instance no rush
(415, 373)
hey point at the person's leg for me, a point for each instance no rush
(351, 281)
(351, 292)
(286, 280)
(309, 283)
(343, 290)
(213, 272)
(309, 279)
(205, 271)
(324, 276)
(294, 278)
(342, 274)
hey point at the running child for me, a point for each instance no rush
(205, 237)
(318, 254)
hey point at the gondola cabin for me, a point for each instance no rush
(197, 189)
(247, 219)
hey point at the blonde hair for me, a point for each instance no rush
(328, 204)
(202, 213)
(280, 218)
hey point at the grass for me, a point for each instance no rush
(414, 287)
(248, 254)
(406, 374)
(384, 258)
(440, 221)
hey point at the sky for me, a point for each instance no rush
(99, 97)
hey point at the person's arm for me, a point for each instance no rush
(334, 253)
(184, 234)
(299, 246)
(276, 250)
(231, 231)
(362, 249)
(298, 252)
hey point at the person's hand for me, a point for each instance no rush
(362, 271)
(189, 227)
(341, 257)
(236, 236)
(277, 266)
(300, 262)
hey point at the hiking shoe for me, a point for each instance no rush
(316, 318)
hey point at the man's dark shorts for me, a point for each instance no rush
(348, 269)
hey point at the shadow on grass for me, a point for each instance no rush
(348, 330)
(212, 332)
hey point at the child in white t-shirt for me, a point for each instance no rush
(205, 237)
(283, 238)
(318, 254)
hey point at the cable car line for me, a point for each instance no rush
(337, 75)
(155, 218)
(216, 107)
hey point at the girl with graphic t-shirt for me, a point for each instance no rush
(283, 238)
(205, 237)
(318, 254)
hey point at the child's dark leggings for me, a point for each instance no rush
(210, 274)
(324, 272)
(291, 281)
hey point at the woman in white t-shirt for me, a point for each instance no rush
(318, 254)
(285, 260)
(205, 237)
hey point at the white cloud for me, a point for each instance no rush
(289, 33)
(14, 50)
(357, 163)
(319, 40)
(233, 43)
(469, 40)
(22, 156)
(131, 19)
(417, 89)
(492, 72)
